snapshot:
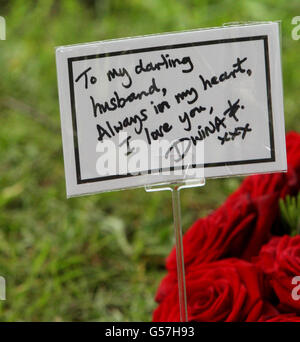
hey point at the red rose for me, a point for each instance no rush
(238, 228)
(219, 235)
(265, 191)
(243, 223)
(240, 222)
(293, 148)
(228, 290)
(280, 184)
(280, 261)
(272, 187)
(283, 318)
(211, 238)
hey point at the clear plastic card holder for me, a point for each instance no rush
(190, 175)
(175, 190)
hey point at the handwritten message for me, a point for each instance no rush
(167, 107)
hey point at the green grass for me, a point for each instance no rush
(98, 257)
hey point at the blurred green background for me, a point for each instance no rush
(101, 257)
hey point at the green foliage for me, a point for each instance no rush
(98, 257)
(290, 213)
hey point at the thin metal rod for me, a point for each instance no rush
(179, 254)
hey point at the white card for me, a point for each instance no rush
(176, 106)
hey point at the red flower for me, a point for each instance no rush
(280, 261)
(229, 290)
(218, 235)
(283, 318)
(265, 190)
(243, 223)
(237, 229)
(280, 184)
